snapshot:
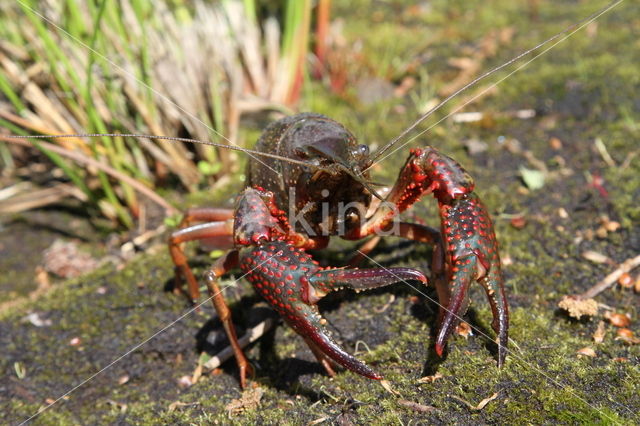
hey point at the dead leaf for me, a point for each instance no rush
(387, 386)
(598, 335)
(611, 225)
(627, 336)
(481, 405)
(485, 401)
(597, 257)
(629, 340)
(617, 320)
(416, 406)
(464, 329)
(65, 260)
(430, 379)
(586, 351)
(249, 400)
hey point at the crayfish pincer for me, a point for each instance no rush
(308, 180)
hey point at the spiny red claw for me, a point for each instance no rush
(302, 283)
(466, 249)
(472, 252)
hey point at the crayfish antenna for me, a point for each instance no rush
(569, 31)
(252, 152)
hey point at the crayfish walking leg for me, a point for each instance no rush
(218, 225)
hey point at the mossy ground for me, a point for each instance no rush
(584, 89)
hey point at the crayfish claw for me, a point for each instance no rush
(309, 324)
(292, 283)
(320, 283)
(458, 300)
(362, 279)
(500, 311)
(324, 360)
(467, 270)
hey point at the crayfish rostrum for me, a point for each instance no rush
(316, 185)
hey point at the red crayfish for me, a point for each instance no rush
(316, 170)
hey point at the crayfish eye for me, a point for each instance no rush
(361, 151)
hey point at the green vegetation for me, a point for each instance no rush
(89, 66)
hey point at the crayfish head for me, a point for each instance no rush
(334, 151)
(338, 158)
(334, 193)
